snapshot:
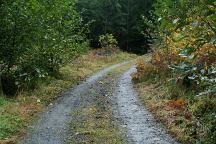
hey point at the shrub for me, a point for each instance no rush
(108, 41)
(37, 38)
(145, 71)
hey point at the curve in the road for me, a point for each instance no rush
(52, 126)
(141, 126)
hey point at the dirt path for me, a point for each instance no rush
(93, 121)
(93, 97)
(52, 127)
(141, 126)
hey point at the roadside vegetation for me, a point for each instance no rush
(178, 82)
(37, 39)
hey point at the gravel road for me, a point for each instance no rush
(52, 126)
(140, 127)
(139, 123)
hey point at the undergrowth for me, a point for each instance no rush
(190, 117)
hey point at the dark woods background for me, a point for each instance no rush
(122, 18)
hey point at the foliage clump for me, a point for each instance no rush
(37, 38)
(108, 41)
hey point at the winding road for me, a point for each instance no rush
(140, 127)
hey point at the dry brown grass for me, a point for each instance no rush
(174, 114)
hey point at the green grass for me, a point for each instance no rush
(9, 124)
(3, 101)
(96, 130)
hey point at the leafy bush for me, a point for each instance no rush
(37, 38)
(108, 41)
(188, 30)
(145, 71)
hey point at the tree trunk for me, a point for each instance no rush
(1, 91)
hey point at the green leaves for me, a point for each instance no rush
(189, 28)
(175, 21)
(186, 52)
(184, 67)
(108, 41)
(38, 37)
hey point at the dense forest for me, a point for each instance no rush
(39, 37)
(122, 18)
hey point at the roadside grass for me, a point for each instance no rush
(3, 101)
(17, 114)
(9, 125)
(153, 96)
(189, 118)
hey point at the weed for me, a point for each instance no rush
(3, 101)
(9, 125)
(94, 129)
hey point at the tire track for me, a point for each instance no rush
(141, 127)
